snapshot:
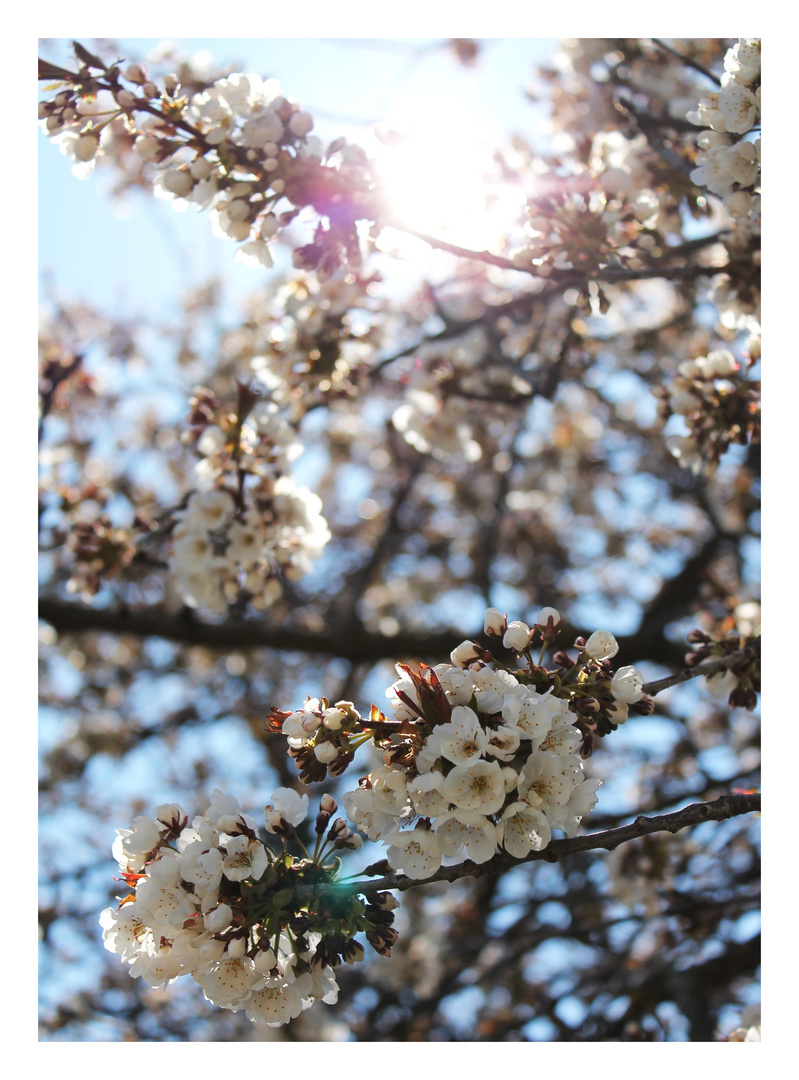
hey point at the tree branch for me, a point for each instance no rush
(726, 806)
(687, 60)
(710, 667)
(351, 642)
(564, 278)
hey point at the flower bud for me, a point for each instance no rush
(385, 901)
(265, 961)
(218, 919)
(351, 842)
(319, 960)
(495, 623)
(326, 752)
(352, 952)
(147, 147)
(601, 645)
(268, 226)
(627, 685)
(201, 168)
(644, 707)
(333, 719)
(134, 73)
(618, 712)
(517, 636)
(85, 148)
(236, 949)
(464, 654)
(177, 181)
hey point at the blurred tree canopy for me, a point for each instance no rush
(248, 503)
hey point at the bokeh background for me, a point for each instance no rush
(574, 502)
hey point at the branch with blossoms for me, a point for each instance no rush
(720, 809)
(743, 662)
(482, 762)
(241, 915)
(566, 276)
(482, 759)
(239, 149)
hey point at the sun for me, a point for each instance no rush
(437, 172)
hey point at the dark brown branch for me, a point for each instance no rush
(349, 642)
(727, 806)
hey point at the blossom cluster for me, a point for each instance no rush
(626, 169)
(436, 426)
(248, 519)
(478, 758)
(718, 406)
(99, 550)
(313, 335)
(576, 227)
(726, 165)
(238, 149)
(740, 680)
(442, 411)
(259, 929)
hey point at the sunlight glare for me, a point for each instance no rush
(436, 170)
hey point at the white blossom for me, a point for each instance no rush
(517, 636)
(287, 805)
(601, 645)
(524, 829)
(478, 785)
(416, 853)
(627, 685)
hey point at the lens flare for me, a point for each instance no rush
(437, 177)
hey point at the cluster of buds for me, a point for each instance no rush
(599, 698)
(257, 927)
(478, 758)
(322, 737)
(238, 149)
(719, 406)
(740, 677)
(100, 550)
(726, 166)
(248, 519)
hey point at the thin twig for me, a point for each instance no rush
(688, 60)
(564, 278)
(710, 667)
